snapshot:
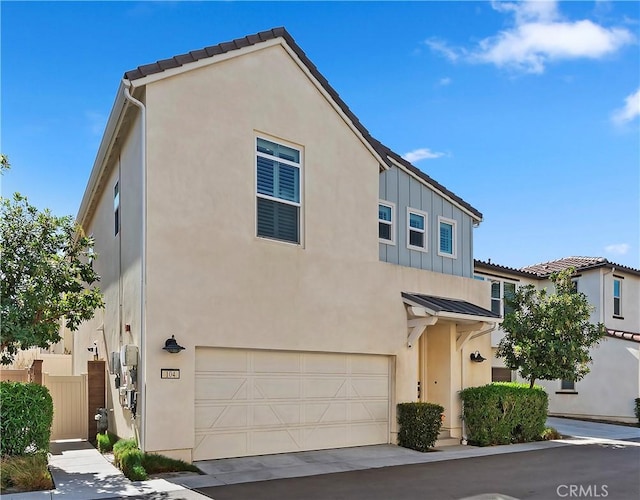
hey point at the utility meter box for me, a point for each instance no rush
(129, 355)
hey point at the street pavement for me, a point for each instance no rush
(601, 461)
(604, 470)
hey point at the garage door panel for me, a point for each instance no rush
(221, 417)
(276, 388)
(275, 362)
(223, 388)
(321, 363)
(370, 365)
(275, 415)
(263, 402)
(325, 388)
(370, 388)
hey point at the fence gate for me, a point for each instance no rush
(69, 394)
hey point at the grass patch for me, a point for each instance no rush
(25, 473)
(137, 465)
(105, 442)
(156, 464)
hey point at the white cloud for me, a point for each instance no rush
(618, 248)
(629, 111)
(540, 35)
(444, 49)
(445, 81)
(421, 154)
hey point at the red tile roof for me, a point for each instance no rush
(635, 337)
(545, 269)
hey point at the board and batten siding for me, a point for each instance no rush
(398, 187)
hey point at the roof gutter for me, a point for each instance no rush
(126, 86)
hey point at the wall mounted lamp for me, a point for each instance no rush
(476, 357)
(172, 346)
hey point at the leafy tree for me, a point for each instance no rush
(46, 268)
(549, 334)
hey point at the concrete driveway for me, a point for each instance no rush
(328, 462)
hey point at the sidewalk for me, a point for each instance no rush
(80, 472)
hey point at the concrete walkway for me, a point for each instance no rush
(80, 472)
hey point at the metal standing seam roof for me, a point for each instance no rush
(440, 304)
(263, 36)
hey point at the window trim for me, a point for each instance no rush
(454, 237)
(617, 314)
(568, 390)
(391, 223)
(257, 195)
(424, 231)
(116, 208)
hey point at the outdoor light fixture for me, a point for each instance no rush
(172, 346)
(476, 357)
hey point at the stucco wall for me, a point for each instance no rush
(118, 264)
(212, 282)
(608, 391)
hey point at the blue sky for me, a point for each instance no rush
(528, 111)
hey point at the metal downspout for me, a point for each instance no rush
(143, 262)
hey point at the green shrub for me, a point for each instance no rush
(503, 413)
(25, 473)
(131, 465)
(550, 433)
(419, 425)
(26, 415)
(121, 448)
(156, 464)
(638, 409)
(105, 442)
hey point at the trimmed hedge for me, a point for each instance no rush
(26, 415)
(503, 413)
(419, 425)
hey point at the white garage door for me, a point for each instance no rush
(261, 402)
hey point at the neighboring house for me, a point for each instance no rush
(609, 390)
(233, 203)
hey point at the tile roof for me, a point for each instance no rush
(545, 269)
(635, 337)
(498, 268)
(281, 32)
(440, 304)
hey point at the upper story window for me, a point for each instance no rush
(416, 230)
(447, 237)
(501, 293)
(116, 208)
(496, 298)
(386, 217)
(617, 297)
(278, 191)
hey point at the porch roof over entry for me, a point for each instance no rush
(435, 305)
(426, 310)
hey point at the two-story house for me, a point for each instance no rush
(609, 390)
(255, 303)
